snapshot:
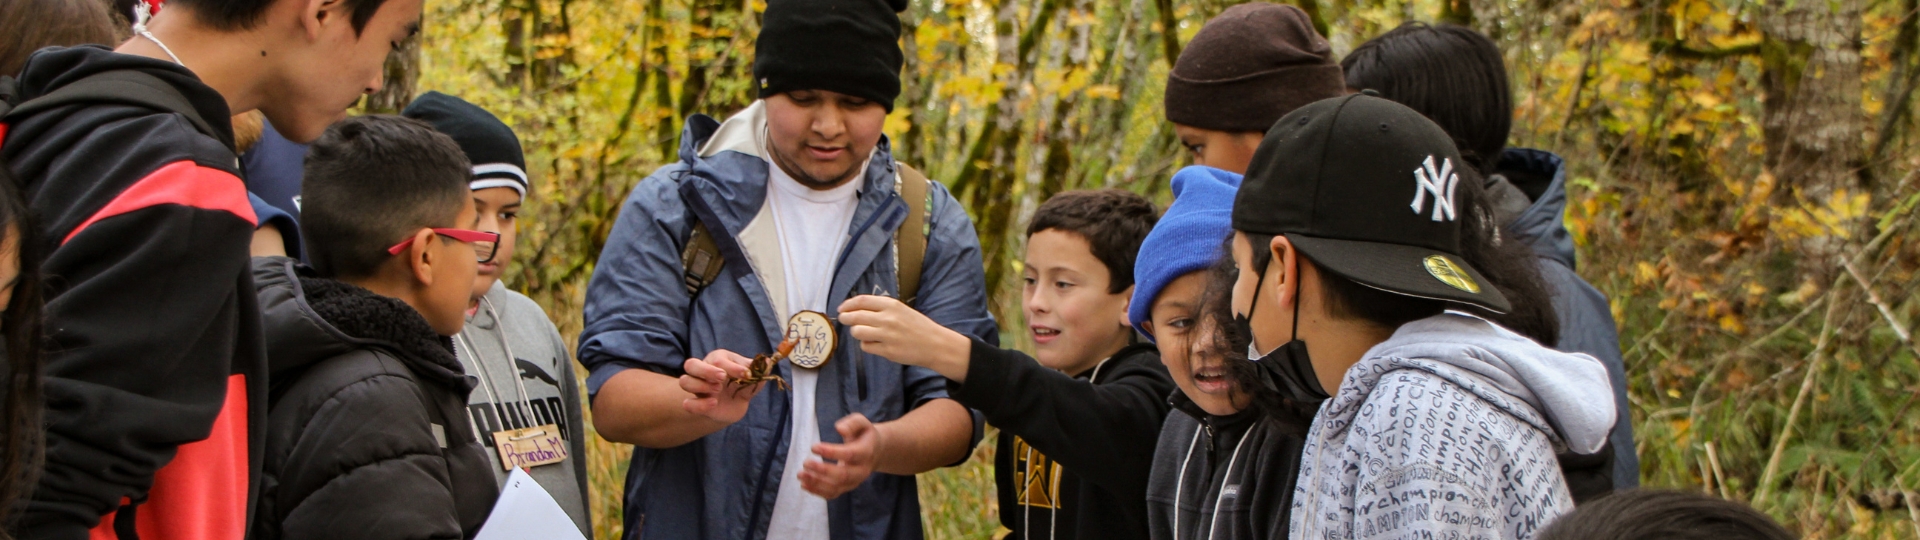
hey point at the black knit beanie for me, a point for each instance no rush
(1250, 66)
(846, 46)
(489, 144)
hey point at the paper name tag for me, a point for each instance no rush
(814, 339)
(530, 447)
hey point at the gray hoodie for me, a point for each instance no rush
(1448, 429)
(539, 367)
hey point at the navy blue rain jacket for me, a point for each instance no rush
(1586, 319)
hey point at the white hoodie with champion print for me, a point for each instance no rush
(1448, 429)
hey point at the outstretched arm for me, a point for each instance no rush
(886, 327)
(1107, 430)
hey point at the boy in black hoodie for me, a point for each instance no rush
(156, 376)
(1078, 421)
(368, 436)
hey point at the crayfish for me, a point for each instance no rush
(761, 369)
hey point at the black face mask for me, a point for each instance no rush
(1287, 370)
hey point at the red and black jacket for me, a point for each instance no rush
(155, 389)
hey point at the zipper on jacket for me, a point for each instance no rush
(887, 207)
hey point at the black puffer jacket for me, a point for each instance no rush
(367, 434)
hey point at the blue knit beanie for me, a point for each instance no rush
(1187, 239)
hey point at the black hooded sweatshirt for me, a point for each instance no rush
(1074, 452)
(1222, 477)
(368, 435)
(155, 372)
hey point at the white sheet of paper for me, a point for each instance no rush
(526, 510)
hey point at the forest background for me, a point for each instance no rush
(1742, 177)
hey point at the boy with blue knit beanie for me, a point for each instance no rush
(1223, 467)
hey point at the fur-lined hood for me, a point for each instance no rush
(309, 319)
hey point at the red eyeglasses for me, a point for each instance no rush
(483, 242)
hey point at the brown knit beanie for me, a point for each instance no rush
(1250, 66)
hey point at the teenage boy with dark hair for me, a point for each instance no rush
(1457, 77)
(791, 205)
(1246, 68)
(1349, 239)
(157, 375)
(1077, 420)
(368, 435)
(527, 386)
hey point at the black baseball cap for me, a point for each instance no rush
(1367, 189)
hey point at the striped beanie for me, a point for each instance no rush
(488, 142)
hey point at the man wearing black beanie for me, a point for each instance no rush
(770, 220)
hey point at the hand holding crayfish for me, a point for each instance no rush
(713, 381)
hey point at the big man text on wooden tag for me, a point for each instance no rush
(530, 447)
(814, 339)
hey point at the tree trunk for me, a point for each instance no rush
(664, 129)
(915, 90)
(553, 50)
(1900, 87)
(513, 23)
(1812, 118)
(1169, 30)
(710, 58)
(402, 72)
(1056, 172)
(992, 166)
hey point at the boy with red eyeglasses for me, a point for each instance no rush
(527, 387)
(367, 431)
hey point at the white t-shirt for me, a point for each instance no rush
(813, 228)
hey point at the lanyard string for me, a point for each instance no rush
(486, 380)
(142, 12)
(1222, 497)
(478, 368)
(501, 324)
(1180, 484)
(1026, 511)
(1053, 517)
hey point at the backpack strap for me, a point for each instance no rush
(910, 242)
(700, 260)
(121, 87)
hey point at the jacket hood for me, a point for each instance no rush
(1568, 396)
(706, 145)
(1542, 226)
(54, 67)
(309, 320)
(722, 180)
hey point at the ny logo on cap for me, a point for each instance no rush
(1439, 181)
